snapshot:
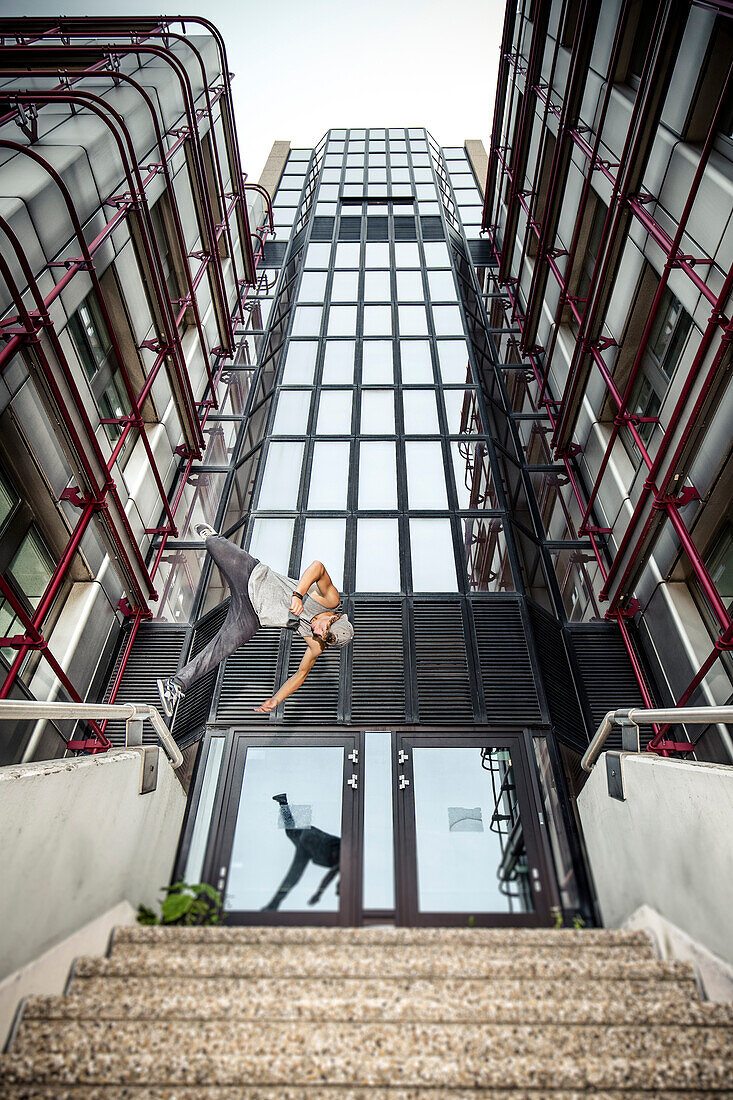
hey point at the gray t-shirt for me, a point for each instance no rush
(271, 594)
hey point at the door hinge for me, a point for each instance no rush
(402, 756)
(404, 782)
(353, 782)
(536, 883)
(222, 878)
(354, 756)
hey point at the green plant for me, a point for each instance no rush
(578, 922)
(471, 921)
(557, 916)
(185, 904)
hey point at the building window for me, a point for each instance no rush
(639, 32)
(26, 562)
(588, 259)
(660, 360)
(570, 22)
(719, 563)
(94, 348)
(166, 256)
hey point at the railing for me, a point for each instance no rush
(133, 714)
(630, 720)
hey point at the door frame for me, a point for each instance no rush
(406, 885)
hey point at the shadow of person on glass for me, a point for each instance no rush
(312, 845)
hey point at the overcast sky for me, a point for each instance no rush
(302, 67)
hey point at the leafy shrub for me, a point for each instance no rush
(185, 904)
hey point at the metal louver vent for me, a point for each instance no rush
(155, 653)
(249, 677)
(378, 663)
(191, 715)
(317, 700)
(562, 698)
(275, 253)
(510, 692)
(481, 252)
(349, 229)
(432, 229)
(377, 229)
(443, 683)
(322, 229)
(606, 674)
(404, 228)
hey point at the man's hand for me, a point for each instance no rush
(296, 605)
(267, 706)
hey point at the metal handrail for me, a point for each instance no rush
(639, 716)
(134, 714)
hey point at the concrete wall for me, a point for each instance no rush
(78, 840)
(667, 846)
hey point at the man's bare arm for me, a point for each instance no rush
(296, 680)
(316, 574)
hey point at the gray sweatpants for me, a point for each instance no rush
(241, 621)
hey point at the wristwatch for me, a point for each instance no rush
(298, 594)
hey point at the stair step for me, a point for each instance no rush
(590, 939)
(318, 961)
(341, 1054)
(429, 1002)
(327, 1092)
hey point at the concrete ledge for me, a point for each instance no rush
(714, 975)
(49, 973)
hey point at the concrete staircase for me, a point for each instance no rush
(380, 1014)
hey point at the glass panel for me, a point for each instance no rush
(406, 254)
(409, 286)
(300, 363)
(417, 364)
(281, 479)
(270, 541)
(487, 562)
(32, 567)
(377, 367)
(413, 321)
(462, 412)
(436, 254)
(377, 254)
(329, 476)
(324, 540)
(338, 362)
(472, 469)
(291, 415)
(334, 413)
(345, 287)
(561, 852)
(342, 321)
(312, 286)
(347, 255)
(317, 255)
(202, 824)
(377, 556)
(221, 438)
(8, 501)
(377, 320)
(377, 475)
(467, 816)
(433, 562)
(425, 476)
(420, 412)
(579, 579)
(377, 286)
(377, 412)
(289, 812)
(378, 892)
(442, 287)
(447, 321)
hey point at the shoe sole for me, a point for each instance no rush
(166, 705)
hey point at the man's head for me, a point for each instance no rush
(332, 629)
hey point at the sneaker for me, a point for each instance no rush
(171, 693)
(204, 530)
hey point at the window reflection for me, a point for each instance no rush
(377, 475)
(453, 361)
(377, 556)
(281, 479)
(487, 562)
(472, 470)
(425, 476)
(462, 411)
(433, 563)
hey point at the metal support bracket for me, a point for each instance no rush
(148, 768)
(615, 776)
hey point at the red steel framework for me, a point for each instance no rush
(76, 50)
(629, 201)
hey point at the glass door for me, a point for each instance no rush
(285, 847)
(470, 850)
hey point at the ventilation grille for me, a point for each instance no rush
(443, 684)
(191, 715)
(275, 253)
(322, 229)
(350, 229)
(378, 664)
(562, 699)
(404, 228)
(377, 229)
(155, 654)
(510, 692)
(249, 677)
(481, 253)
(317, 700)
(607, 676)
(432, 229)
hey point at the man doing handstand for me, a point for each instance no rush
(262, 597)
